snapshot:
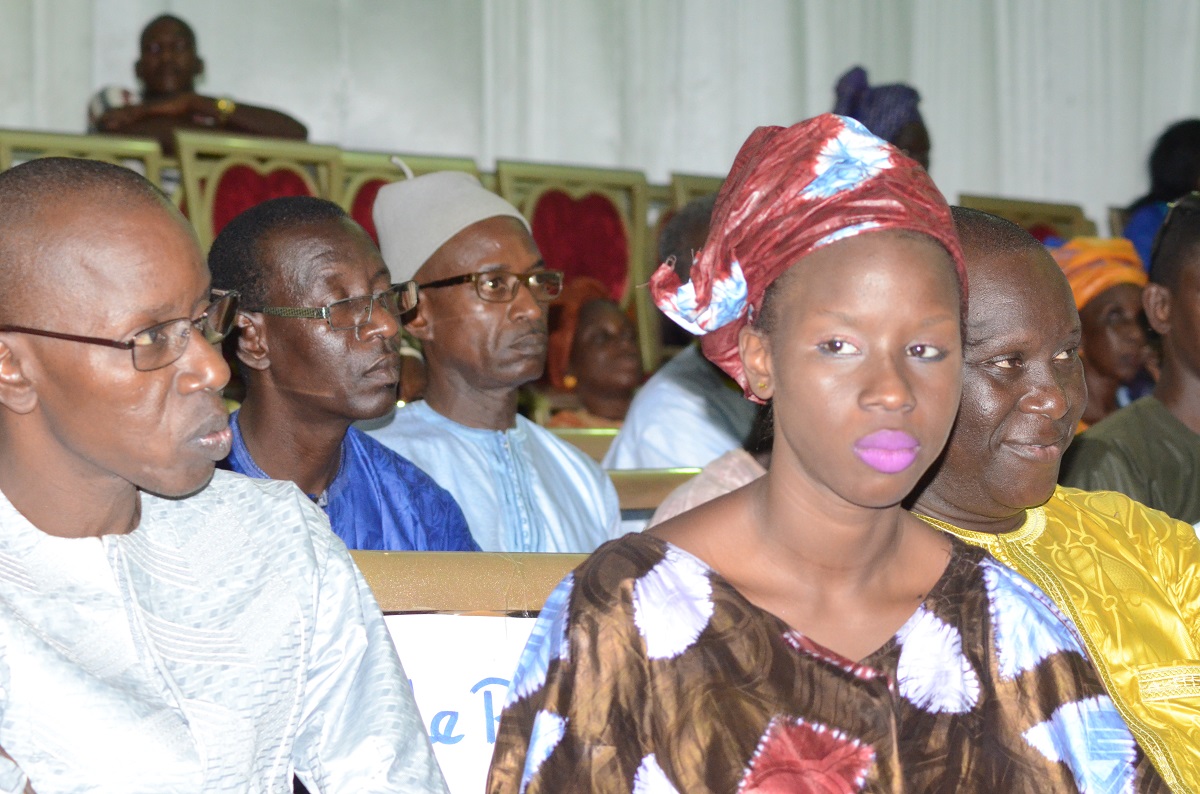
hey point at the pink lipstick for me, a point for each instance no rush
(888, 451)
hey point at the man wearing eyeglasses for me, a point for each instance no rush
(162, 628)
(1150, 449)
(481, 320)
(318, 343)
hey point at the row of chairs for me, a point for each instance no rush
(600, 221)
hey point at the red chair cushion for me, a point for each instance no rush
(583, 237)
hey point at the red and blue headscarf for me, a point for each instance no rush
(791, 191)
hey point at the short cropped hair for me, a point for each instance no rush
(1177, 244)
(26, 189)
(696, 213)
(982, 230)
(236, 258)
(185, 28)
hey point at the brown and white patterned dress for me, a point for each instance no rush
(648, 672)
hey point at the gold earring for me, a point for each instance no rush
(762, 384)
(570, 382)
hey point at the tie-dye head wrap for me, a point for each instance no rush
(1094, 264)
(790, 191)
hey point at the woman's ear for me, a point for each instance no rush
(1156, 300)
(754, 347)
(252, 347)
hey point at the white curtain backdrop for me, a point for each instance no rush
(1046, 99)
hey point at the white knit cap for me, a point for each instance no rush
(415, 217)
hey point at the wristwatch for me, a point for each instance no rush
(225, 108)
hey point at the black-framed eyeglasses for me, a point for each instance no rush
(500, 286)
(352, 313)
(159, 345)
(1188, 205)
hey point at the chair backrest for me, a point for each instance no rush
(462, 582)
(459, 621)
(645, 489)
(1117, 218)
(592, 441)
(141, 154)
(223, 175)
(586, 221)
(364, 173)
(1042, 219)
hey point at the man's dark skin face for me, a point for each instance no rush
(308, 382)
(168, 64)
(1175, 314)
(83, 429)
(479, 353)
(1023, 394)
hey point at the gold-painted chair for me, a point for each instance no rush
(645, 489)
(1117, 218)
(364, 173)
(463, 582)
(140, 154)
(1042, 219)
(592, 441)
(224, 175)
(587, 221)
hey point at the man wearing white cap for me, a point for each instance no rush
(481, 319)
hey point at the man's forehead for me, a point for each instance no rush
(1015, 288)
(500, 241)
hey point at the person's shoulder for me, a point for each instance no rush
(642, 563)
(274, 513)
(566, 452)
(1105, 516)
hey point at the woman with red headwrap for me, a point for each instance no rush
(593, 352)
(805, 632)
(1106, 277)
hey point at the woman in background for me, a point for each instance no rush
(1174, 172)
(1106, 278)
(593, 353)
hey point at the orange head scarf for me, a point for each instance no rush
(1094, 264)
(790, 191)
(564, 321)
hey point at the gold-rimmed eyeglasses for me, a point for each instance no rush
(352, 313)
(500, 286)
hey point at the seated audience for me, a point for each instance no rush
(806, 631)
(1128, 577)
(689, 413)
(1150, 449)
(164, 628)
(888, 111)
(593, 353)
(1174, 172)
(481, 322)
(731, 471)
(318, 343)
(168, 68)
(1106, 278)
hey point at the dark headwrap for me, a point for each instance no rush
(884, 109)
(790, 191)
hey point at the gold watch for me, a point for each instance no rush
(225, 108)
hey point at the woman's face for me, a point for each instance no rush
(1113, 340)
(604, 353)
(862, 353)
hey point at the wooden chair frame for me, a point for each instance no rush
(204, 157)
(120, 150)
(1068, 218)
(523, 184)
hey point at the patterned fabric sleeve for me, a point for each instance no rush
(551, 739)
(360, 729)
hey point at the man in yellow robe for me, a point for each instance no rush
(1126, 575)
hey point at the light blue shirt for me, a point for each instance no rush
(226, 641)
(685, 416)
(522, 489)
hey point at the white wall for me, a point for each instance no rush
(1052, 99)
